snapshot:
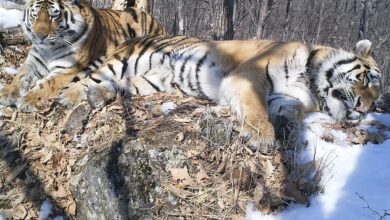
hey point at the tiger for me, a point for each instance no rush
(269, 85)
(66, 36)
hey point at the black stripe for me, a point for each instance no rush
(76, 79)
(354, 68)
(133, 14)
(66, 20)
(136, 90)
(72, 17)
(329, 73)
(99, 60)
(310, 58)
(94, 79)
(141, 53)
(57, 67)
(197, 70)
(182, 68)
(155, 87)
(117, 28)
(162, 46)
(130, 30)
(42, 64)
(125, 65)
(286, 69)
(64, 55)
(111, 68)
(143, 21)
(117, 57)
(93, 64)
(174, 85)
(151, 25)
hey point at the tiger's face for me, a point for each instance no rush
(51, 22)
(356, 85)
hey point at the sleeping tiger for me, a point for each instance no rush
(270, 85)
(66, 36)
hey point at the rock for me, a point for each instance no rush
(76, 119)
(116, 184)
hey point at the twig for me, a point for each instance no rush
(386, 212)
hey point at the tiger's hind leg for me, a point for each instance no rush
(247, 97)
(286, 114)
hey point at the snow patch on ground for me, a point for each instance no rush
(357, 176)
(1, 217)
(10, 18)
(46, 209)
(167, 107)
(10, 71)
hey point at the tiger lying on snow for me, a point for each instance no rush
(268, 84)
(66, 36)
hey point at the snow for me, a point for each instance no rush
(356, 182)
(10, 71)
(1, 217)
(167, 107)
(10, 18)
(45, 209)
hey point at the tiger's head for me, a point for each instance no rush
(53, 22)
(352, 83)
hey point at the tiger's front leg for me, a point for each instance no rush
(249, 102)
(286, 114)
(20, 84)
(40, 96)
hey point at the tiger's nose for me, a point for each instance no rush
(42, 36)
(361, 107)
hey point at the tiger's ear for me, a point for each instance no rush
(363, 48)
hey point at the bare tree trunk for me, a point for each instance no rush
(143, 5)
(123, 4)
(264, 11)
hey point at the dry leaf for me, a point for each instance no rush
(202, 146)
(182, 120)
(48, 156)
(201, 176)
(178, 192)
(180, 175)
(192, 153)
(72, 208)
(221, 203)
(20, 212)
(179, 137)
(60, 193)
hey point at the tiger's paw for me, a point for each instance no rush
(72, 95)
(8, 95)
(32, 102)
(287, 130)
(100, 96)
(261, 138)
